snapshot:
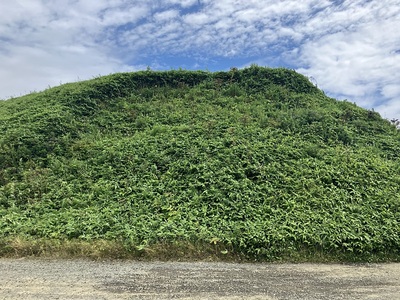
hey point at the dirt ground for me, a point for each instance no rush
(89, 280)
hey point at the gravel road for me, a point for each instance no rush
(89, 280)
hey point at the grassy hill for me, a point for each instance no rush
(254, 163)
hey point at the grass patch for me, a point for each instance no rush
(102, 249)
(172, 251)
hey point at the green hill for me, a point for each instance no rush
(254, 163)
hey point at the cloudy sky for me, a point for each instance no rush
(349, 48)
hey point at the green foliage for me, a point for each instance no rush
(255, 161)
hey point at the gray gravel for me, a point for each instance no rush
(89, 280)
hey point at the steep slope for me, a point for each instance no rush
(255, 161)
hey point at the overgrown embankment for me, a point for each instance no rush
(254, 163)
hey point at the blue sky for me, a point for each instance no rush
(350, 49)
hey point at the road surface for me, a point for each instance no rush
(89, 280)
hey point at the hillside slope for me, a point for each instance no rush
(256, 162)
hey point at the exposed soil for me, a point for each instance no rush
(81, 279)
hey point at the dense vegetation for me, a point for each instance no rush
(255, 162)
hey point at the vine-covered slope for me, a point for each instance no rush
(255, 161)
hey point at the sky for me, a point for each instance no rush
(349, 48)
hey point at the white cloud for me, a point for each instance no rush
(198, 19)
(166, 15)
(391, 90)
(44, 45)
(124, 15)
(183, 3)
(356, 57)
(32, 69)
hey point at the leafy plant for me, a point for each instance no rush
(255, 162)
